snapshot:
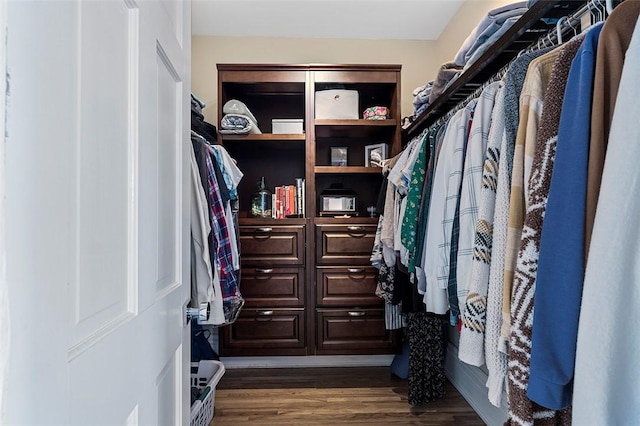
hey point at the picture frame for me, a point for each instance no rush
(339, 155)
(374, 155)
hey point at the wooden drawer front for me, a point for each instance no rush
(256, 331)
(272, 245)
(272, 287)
(353, 331)
(347, 286)
(344, 244)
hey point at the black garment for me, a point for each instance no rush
(382, 194)
(204, 129)
(426, 335)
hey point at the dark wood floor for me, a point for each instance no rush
(330, 396)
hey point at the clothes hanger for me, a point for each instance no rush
(559, 29)
(609, 6)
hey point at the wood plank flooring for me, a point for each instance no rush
(330, 396)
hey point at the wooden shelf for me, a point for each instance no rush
(347, 169)
(366, 123)
(259, 221)
(526, 31)
(265, 137)
(355, 128)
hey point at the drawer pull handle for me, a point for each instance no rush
(265, 230)
(356, 228)
(264, 271)
(356, 314)
(265, 313)
(355, 270)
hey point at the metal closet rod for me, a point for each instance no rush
(550, 38)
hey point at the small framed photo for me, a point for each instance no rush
(374, 155)
(338, 155)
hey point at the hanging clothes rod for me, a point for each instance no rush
(550, 38)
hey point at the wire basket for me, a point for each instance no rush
(205, 375)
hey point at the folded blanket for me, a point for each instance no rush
(479, 49)
(422, 108)
(422, 96)
(491, 22)
(234, 106)
(238, 124)
(448, 71)
(419, 89)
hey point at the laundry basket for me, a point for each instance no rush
(205, 375)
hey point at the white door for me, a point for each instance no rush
(97, 232)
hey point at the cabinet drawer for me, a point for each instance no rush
(347, 286)
(344, 244)
(272, 287)
(265, 332)
(272, 245)
(353, 331)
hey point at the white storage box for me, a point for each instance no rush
(205, 375)
(287, 126)
(337, 104)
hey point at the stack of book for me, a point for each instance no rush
(288, 200)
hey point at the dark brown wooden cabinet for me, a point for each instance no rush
(308, 284)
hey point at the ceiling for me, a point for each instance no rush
(372, 19)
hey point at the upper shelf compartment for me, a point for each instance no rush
(354, 128)
(269, 92)
(539, 19)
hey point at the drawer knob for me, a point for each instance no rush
(264, 271)
(265, 313)
(356, 313)
(355, 270)
(262, 233)
(356, 228)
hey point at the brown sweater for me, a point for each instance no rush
(522, 411)
(612, 48)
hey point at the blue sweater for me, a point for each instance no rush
(561, 265)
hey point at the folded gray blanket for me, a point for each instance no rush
(421, 95)
(238, 119)
(234, 106)
(238, 124)
(447, 71)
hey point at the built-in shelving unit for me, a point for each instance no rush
(307, 282)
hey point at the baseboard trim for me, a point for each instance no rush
(471, 383)
(308, 361)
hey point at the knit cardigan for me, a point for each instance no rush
(531, 98)
(521, 410)
(513, 82)
(471, 349)
(474, 187)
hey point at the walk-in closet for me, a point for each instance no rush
(218, 212)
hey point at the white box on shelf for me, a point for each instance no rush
(206, 377)
(337, 104)
(287, 126)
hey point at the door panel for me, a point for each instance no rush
(97, 200)
(103, 281)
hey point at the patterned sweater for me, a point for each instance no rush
(521, 410)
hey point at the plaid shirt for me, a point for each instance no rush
(221, 241)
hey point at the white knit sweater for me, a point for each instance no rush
(471, 346)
